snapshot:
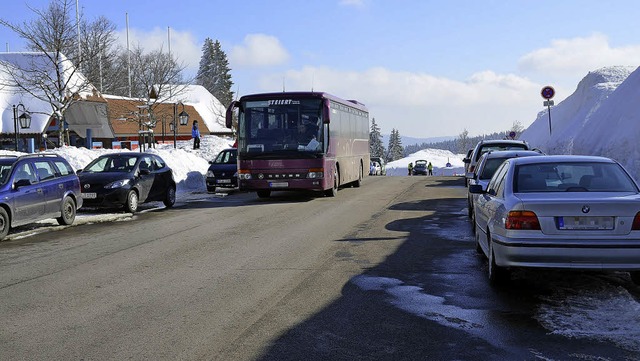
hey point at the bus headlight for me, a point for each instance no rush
(315, 173)
(244, 175)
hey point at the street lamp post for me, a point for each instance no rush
(164, 126)
(24, 118)
(183, 117)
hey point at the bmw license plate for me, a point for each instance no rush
(588, 223)
(89, 195)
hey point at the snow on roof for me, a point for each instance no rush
(40, 110)
(210, 108)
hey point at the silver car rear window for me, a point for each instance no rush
(572, 177)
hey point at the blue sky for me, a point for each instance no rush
(426, 68)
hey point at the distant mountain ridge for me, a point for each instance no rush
(411, 141)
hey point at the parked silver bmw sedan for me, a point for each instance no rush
(570, 212)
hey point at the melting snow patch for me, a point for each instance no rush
(411, 299)
(605, 314)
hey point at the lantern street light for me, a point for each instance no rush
(24, 118)
(183, 117)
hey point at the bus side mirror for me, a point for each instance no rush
(229, 114)
(325, 112)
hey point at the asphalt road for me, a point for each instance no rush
(387, 271)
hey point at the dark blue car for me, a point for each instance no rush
(223, 170)
(36, 187)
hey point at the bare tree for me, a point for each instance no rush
(516, 129)
(97, 44)
(156, 79)
(464, 143)
(48, 74)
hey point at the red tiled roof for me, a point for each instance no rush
(125, 123)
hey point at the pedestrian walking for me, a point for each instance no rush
(430, 168)
(410, 168)
(195, 134)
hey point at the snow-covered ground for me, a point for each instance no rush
(189, 166)
(444, 163)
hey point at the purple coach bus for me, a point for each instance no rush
(300, 141)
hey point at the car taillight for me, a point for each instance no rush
(472, 168)
(636, 222)
(522, 220)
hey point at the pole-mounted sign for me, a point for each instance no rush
(547, 93)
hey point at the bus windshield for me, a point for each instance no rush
(281, 126)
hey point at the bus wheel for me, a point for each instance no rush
(334, 190)
(263, 194)
(357, 183)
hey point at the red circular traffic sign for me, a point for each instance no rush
(548, 92)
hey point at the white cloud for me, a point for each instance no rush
(577, 56)
(258, 50)
(422, 104)
(184, 46)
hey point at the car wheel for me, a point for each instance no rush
(263, 194)
(469, 209)
(477, 234)
(68, 212)
(334, 190)
(477, 237)
(635, 277)
(170, 197)
(132, 202)
(473, 222)
(497, 275)
(5, 223)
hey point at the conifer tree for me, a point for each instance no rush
(214, 72)
(376, 148)
(395, 146)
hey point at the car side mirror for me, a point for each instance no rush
(476, 189)
(21, 183)
(79, 171)
(145, 172)
(466, 160)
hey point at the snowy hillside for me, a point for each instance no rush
(599, 118)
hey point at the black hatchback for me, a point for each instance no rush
(126, 180)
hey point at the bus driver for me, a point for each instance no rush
(305, 133)
(307, 136)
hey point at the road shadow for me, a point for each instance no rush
(430, 300)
